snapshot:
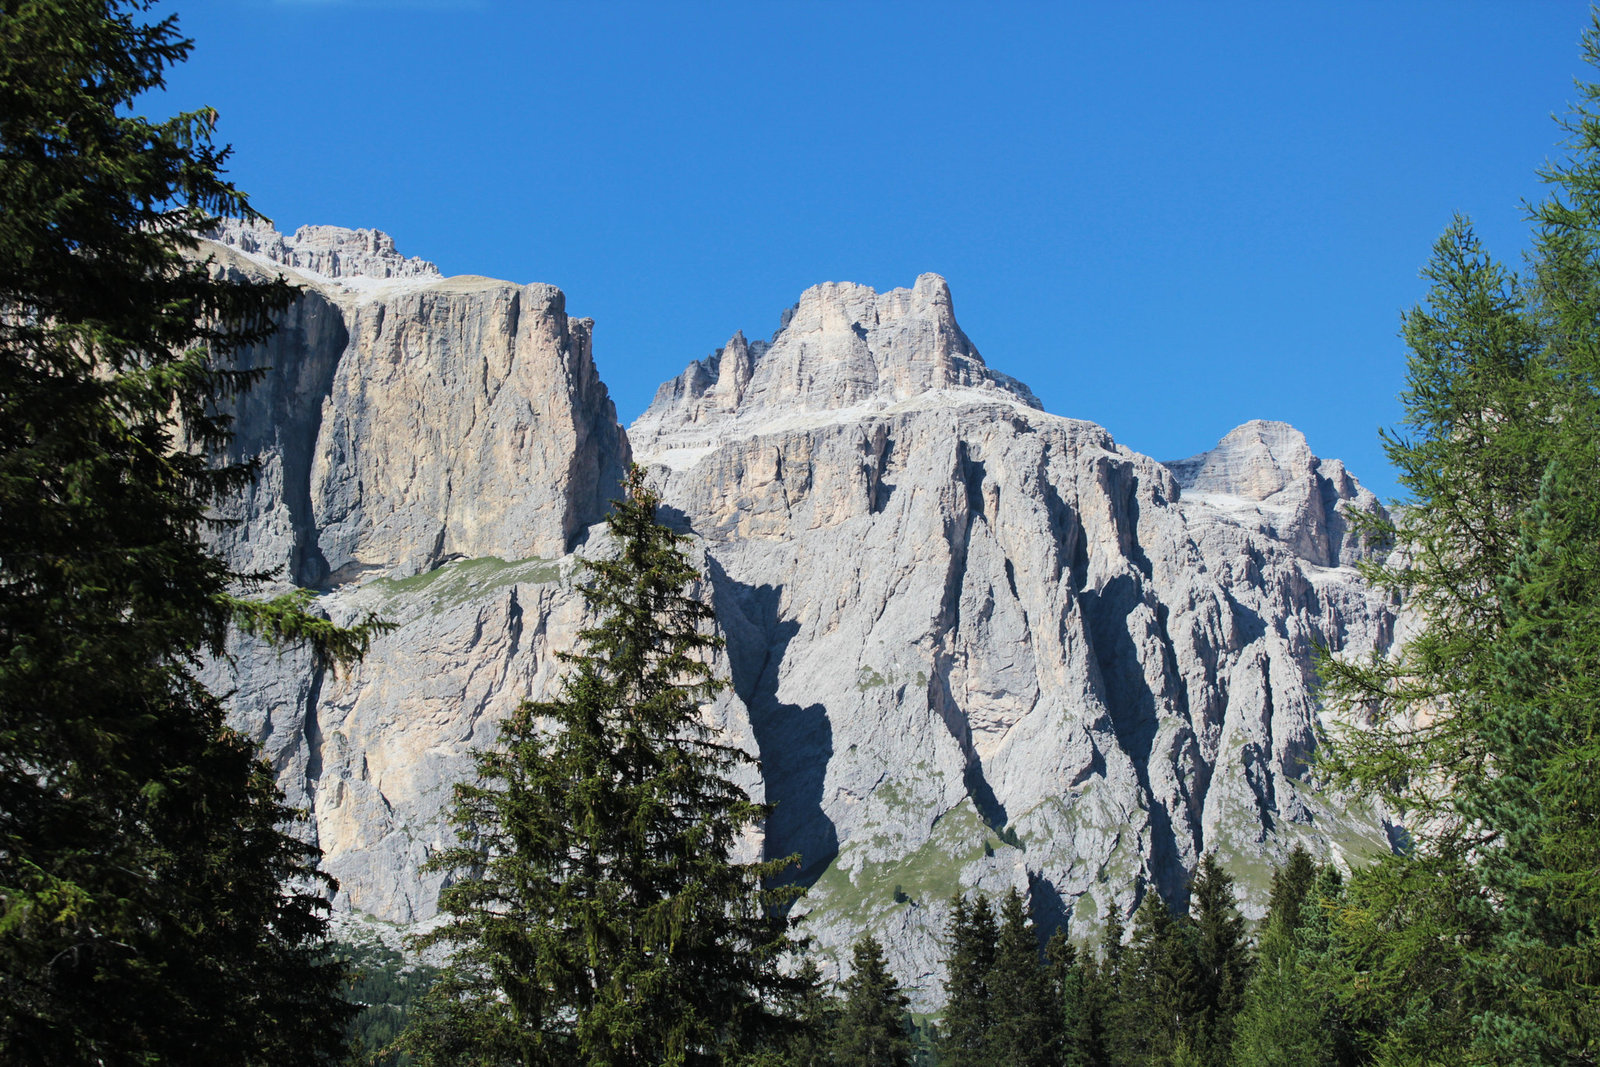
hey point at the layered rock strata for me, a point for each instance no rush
(971, 643)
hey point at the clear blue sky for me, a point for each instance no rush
(1165, 217)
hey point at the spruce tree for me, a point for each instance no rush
(595, 910)
(1159, 998)
(968, 1015)
(1291, 1011)
(1089, 1043)
(1025, 1022)
(874, 1029)
(1102, 992)
(1290, 885)
(812, 1014)
(153, 908)
(1221, 961)
(1067, 985)
(1111, 947)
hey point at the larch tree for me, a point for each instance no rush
(1480, 943)
(595, 909)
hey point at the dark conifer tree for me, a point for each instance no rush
(1112, 935)
(816, 1014)
(812, 1011)
(1089, 1045)
(1102, 992)
(146, 908)
(1222, 961)
(874, 1029)
(1026, 1018)
(1067, 993)
(596, 913)
(1290, 885)
(1159, 992)
(968, 1013)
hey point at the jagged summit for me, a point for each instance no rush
(331, 252)
(1266, 471)
(842, 349)
(1256, 460)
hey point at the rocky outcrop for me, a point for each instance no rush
(972, 643)
(406, 419)
(842, 350)
(982, 645)
(1265, 471)
(325, 252)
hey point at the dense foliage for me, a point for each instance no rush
(385, 987)
(595, 909)
(1480, 945)
(146, 914)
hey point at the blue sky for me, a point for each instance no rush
(1164, 217)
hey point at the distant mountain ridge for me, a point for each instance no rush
(974, 644)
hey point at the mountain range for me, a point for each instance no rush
(973, 644)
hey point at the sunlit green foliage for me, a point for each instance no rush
(1481, 945)
(594, 909)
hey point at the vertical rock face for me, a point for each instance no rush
(407, 418)
(972, 643)
(984, 645)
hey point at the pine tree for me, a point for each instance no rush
(970, 957)
(1479, 943)
(1025, 1023)
(595, 910)
(874, 1029)
(146, 908)
(1159, 997)
(1222, 961)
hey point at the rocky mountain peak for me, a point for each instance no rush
(842, 350)
(1265, 474)
(332, 252)
(1257, 461)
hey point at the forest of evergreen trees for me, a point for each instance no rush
(1191, 988)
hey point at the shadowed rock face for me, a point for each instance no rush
(981, 645)
(973, 644)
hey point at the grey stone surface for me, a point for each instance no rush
(973, 644)
(406, 419)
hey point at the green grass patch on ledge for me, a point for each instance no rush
(468, 579)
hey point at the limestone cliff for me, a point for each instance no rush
(972, 643)
(407, 419)
(984, 645)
